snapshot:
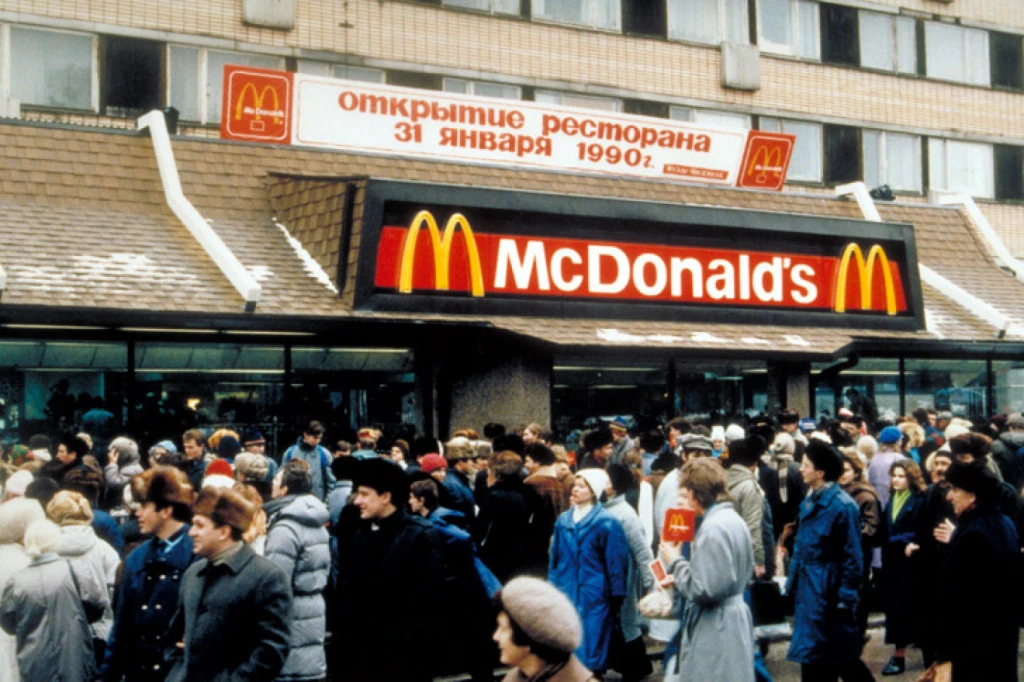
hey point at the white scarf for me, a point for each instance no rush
(581, 510)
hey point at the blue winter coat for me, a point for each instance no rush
(824, 577)
(147, 597)
(462, 500)
(589, 563)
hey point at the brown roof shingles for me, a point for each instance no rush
(85, 213)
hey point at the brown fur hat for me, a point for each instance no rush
(225, 507)
(163, 486)
(543, 613)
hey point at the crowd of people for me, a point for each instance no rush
(395, 560)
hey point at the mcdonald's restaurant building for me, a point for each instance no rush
(263, 284)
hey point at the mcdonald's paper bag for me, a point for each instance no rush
(679, 525)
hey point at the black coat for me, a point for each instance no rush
(796, 491)
(390, 610)
(235, 619)
(978, 631)
(926, 566)
(899, 578)
(501, 529)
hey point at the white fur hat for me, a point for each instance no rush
(597, 479)
(18, 483)
(15, 517)
(734, 432)
(543, 612)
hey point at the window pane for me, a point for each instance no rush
(771, 125)
(483, 5)
(775, 18)
(871, 389)
(944, 52)
(499, 6)
(583, 387)
(1008, 386)
(695, 20)
(51, 69)
(902, 161)
(937, 164)
(358, 73)
(457, 85)
(977, 56)
(737, 24)
(681, 113)
(906, 45)
(954, 385)
(606, 13)
(970, 168)
(215, 63)
(872, 159)
(583, 101)
(722, 119)
(185, 81)
(806, 161)
(876, 48)
(313, 68)
(569, 11)
(809, 43)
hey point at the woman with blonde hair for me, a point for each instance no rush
(256, 536)
(15, 517)
(87, 553)
(913, 439)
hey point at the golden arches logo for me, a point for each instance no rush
(257, 101)
(763, 162)
(441, 245)
(865, 273)
(678, 523)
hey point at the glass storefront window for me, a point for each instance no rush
(1007, 386)
(583, 389)
(51, 386)
(720, 391)
(958, 386)
(871, 388)
(348, 388)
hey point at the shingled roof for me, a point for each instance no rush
(84, 225)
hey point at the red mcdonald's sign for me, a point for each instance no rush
(257, 105)
(765, 160)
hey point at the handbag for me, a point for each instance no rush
(937, 672)
(766, 602)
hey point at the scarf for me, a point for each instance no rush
(899, 498)
(782, 461)
(581, 510)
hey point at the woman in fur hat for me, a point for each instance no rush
(590, 564)
(538, 630)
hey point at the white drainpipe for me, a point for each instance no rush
(191, 218)
(972, 303)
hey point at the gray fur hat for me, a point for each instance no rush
(543, 613)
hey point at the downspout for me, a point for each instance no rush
(211, 242)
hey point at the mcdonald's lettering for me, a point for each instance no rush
(257, 105)
(679, 525)
(459, 260)
(865, 276)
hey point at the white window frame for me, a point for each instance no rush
(938, 152)
(967, 35)
(616, 104)
(202, 80)
(5, 61)
(709, 116)
(883, 160)
(798, 31)
(538, 15)
(471, 86)
(723, 20)
(330, 70)
(894, 22)
(779, 125)
(490, 9)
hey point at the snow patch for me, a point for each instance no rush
(616, 336)
(308, 262)
(797, 340)
(705, 337)
(260, 273)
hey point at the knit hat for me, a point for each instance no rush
(251, 467)
(69, 508)
(219, 474)
(17, 483)
(433, 462)
(167, 445)
(618, 424)
(717, 433)
(253, 437)
(597, 479)
(15, 516)
(890, 435)
(224, 507)
(543, 613)
(734, 432)
(164, 486)
(19, 455)
(228, 447)
(597, 439)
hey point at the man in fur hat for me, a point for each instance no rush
(148, 592)
(233, 611)
(599, 445)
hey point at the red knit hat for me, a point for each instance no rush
(220, 466)
(433, 462)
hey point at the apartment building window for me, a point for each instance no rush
(789, 27)
(719, 119)
(196, 79)
(708, 21)
(492, 6)
(1007, 59)
(132, 75)
(482, 89)
(352, 73)
(570, 99)
(53, 68)
(805, 164)
(892, 159)
(888, 42)
(605, 14)
(956, 53)
(961, 167)
(1009, 172)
